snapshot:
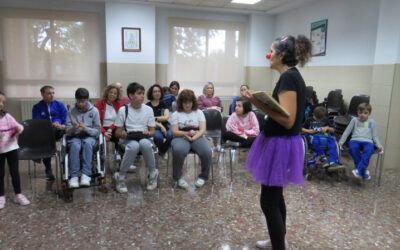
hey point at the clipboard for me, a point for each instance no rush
(270, 102)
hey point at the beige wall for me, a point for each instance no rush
(125, 73)
(259, 78)
(162, 74)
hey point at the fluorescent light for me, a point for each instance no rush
(245, 1)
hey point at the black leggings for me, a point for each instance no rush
(273, 206)
(234, 137)
(12, 159)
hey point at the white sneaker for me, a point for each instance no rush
(73, 182)
(85, 181)
(199, 182)
(117, 157)
(132, 169)
(152, 180)
(120, 185)
(266, 244)
(183, 184)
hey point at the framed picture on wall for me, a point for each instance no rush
(318, 37)
(131, 39)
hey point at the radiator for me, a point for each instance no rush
(27, 105)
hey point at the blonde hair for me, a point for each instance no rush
(205, 88)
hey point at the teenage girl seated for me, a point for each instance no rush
(242, 126)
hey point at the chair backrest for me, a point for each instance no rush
(355, 101)
(37, 140)
(260, 117)
(213, 122)
(335, 100)
(223, 124)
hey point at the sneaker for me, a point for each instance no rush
(266, 244)
(85, 181)
(50, 177)
(152, 180)
(132, 169)
(117, 157)
(366, 175)
(120, 184)
(21, 199)
(2, 201)
(356, 174)
(199, 182)
(73, 182)
(183, 184)
(324, 162)
(333, 166)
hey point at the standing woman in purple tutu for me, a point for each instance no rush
(276, 156)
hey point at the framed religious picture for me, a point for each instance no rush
(131, 39)
(318, 37)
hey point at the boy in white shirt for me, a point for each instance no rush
(135, 125)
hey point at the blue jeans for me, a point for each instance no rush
(361, 160)
(159, 140)
(326, 141)
(75, 146)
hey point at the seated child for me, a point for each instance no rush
(168, 98)
(135, 124)
(322, 135)
(242, 126)
(83, 127)
(9, 129)
(364, 135)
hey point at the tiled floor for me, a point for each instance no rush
(324, 214)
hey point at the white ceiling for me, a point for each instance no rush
(264, 6)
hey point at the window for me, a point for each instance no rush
(205, 51)
(55, 48)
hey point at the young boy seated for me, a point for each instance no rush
(322, 135)
(364, 135)
(83, 127)
(135, 126)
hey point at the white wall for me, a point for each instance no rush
(162, 15)
(388, 37)
(260, 34)
(352, 29)
(120, 15)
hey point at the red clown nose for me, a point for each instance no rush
(268, 56)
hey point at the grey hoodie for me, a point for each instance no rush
(90, 118)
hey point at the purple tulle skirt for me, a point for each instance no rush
(277, 161)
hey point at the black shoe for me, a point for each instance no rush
(50, 177)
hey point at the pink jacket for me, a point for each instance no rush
(244, 127)
(8, 131)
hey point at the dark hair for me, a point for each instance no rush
(44, 88)
(245, 85)
(296, 50)
(2, 112)
(108, 89)
(81, 93)
(319, 112)
(246, 105)
(165, 89)
(364, 106)
(150, 91)
(186, 95)
(174, 83)
(133, 87)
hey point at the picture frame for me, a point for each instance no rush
(131, 39)
(318, 36)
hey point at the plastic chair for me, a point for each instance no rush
(37, 141)
(260, 117)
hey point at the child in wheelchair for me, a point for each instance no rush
(83, 129)
(321, 136)
(364, 135)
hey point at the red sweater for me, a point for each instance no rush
(101, 106)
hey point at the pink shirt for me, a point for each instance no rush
(244, 127)
(207, 102)
(8, 131)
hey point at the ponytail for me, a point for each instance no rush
(295, 50)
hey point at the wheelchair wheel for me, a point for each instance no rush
(308, 176)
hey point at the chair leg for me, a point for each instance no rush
(57, 169)
(380, 160)
(230, 163)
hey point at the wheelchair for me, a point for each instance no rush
(98, 176)
(313, 168)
